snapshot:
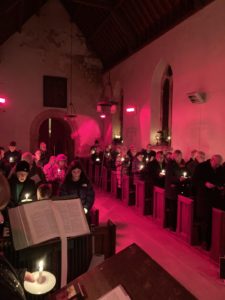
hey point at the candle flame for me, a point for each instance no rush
(41, 265)
(27, 196)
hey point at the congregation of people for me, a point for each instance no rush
(43, 176)
(198, 178)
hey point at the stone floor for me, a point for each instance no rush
(189, 265)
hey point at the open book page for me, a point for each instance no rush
(73, 220)
(41, 220)
(118, 293)
(20, 232)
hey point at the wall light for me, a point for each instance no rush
(2, 100)
(130, 109)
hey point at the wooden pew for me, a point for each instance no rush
(142, 203)
(159, 206)
(104, 239)
(97, 176)
(91, 169)
(128, 192)
(106, 179)
(113, 183)
(218, 234)
(185, 218)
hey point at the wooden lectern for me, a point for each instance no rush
(140, 276)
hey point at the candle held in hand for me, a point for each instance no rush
(41, 278)
(185, 174)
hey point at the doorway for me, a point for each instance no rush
(56, 133)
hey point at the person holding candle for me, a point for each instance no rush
(21, 184)
(11, 280)
(12, 155)
(208, 181)
(173, 178)
(77, 185)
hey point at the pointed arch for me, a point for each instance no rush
(161, 100)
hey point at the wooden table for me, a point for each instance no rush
(136, 271)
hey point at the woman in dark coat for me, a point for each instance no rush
(77, 185)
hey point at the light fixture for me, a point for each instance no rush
(107, 104)
(70, 113)
(130, 109)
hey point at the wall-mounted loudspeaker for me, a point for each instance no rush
(197, 97)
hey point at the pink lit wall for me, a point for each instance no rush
(195, 49)
(43, 48)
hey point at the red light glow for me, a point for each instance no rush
(2, 100)
(130, 109)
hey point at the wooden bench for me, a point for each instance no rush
(142, 203)
(113, 183)
(185, 218)
(218, 234)
(159, 206)
(128, 191)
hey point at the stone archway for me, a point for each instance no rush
(39, 119)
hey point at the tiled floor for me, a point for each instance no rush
(190, 266)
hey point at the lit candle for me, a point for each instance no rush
(27, 196)
(141, 167)
(147, 159)
(163, 172)
(40, 270)
(122, 158)
(11, 159)
(97, 159)
(185, 174)
(92, 151)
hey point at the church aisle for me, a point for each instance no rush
(190, 266)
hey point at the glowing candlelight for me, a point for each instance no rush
(11, 159)
(185, 174)
(40, 270)
(141, 167)
(122, 158)
(92, 151)
(97, 159)
(163, 172)
(27, 196)
(147, 159)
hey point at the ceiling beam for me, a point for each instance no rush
(102, 25)
(96, 4)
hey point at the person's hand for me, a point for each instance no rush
(1, 218)
(182, 178)
(29, 277)
(209, 185)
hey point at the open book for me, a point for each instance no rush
(40, 221)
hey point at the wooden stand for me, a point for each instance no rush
(159, 206)
(185, 218)
(136, 271)
(113, 183)
(128, 192)
(218, 234)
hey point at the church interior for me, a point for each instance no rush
(112, 158)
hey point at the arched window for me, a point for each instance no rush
(166, 103)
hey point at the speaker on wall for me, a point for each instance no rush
(197, 97)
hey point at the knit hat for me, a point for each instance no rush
(22, 166)
(13, 143)
(61, 157)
